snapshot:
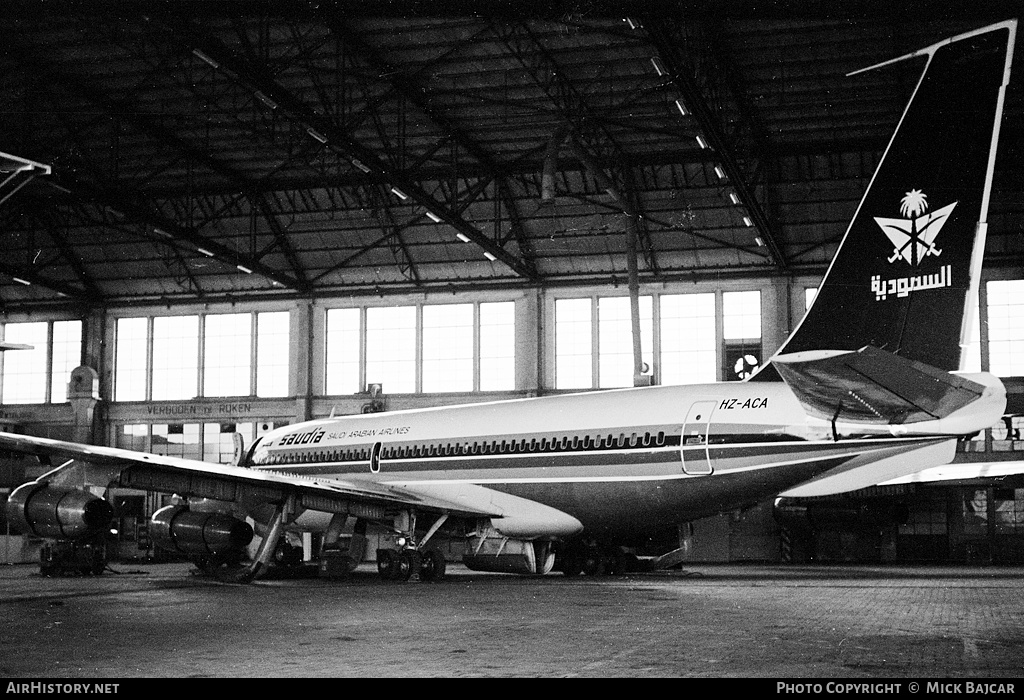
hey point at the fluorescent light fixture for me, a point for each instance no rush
(433, 217)
(462, 237)
(733, 198)
(633, 23)
(720, 172)
(265, 100)
(244, 269)
(747, 221)
(359, 164)
(205, 252)
(656, 62)
(489, 256)
(398, 193)
(21, 281)
(682, 108)
(316, 134)
(758, 240)
(204, 58)
(701, 142)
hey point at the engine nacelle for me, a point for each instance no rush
(56, 512)
(508, 556)
(179, 529)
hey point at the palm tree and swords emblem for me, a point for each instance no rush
(914, 238)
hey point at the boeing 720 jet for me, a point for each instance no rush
(866, 389)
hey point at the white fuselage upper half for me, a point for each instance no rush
(663, 453)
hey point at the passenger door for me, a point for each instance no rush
(693, 446)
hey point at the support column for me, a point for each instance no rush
(302, 339)
(84, 394)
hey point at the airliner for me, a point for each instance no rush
(866, 389)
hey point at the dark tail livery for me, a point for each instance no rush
(905, 276)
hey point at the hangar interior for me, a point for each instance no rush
(221, 220)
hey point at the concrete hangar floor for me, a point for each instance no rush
(786, 622)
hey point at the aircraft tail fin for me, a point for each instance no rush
(905, 276)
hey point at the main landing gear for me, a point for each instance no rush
(409, 559)
(401, 565)
(593, 560)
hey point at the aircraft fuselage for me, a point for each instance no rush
(626, 461)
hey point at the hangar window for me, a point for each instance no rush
(809, 294)
(447, 348)
(741, 326)
(1006, 327)
(133, 437)
(224, 442)
(677, 329)
(689, 350)
(615, 339)
(178, 440)
(226, 370)
(272, 348)
(430, 348)
(212, 442)
(970, 360)
(573, 344)
(40, 374)
(65, 355)
(391, 348)
(225, 359)
(498, 346)
(131, 350)
(175, 357)
(343, 344)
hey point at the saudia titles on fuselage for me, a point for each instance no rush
(913, 240)
(310, 437)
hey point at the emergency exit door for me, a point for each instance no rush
(696, 433)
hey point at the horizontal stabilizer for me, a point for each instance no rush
(872, 385)
(869, 470)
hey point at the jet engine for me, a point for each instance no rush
(56, 512)
(201, 534)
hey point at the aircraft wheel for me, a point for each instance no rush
(571, 564)
(287, 555)
(408, 564)
(593, 563)
(387, 564)
(433, 566)
(628, 563)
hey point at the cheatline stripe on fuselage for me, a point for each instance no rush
(745, 460)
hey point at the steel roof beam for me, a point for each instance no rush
(165, 229)
(676, 69)
(574, 110)
(149, 126)
(416, 94)
(74, 262)
(34, 278)
(323, 129)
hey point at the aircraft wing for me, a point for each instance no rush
(872, 385)
(187, 477)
